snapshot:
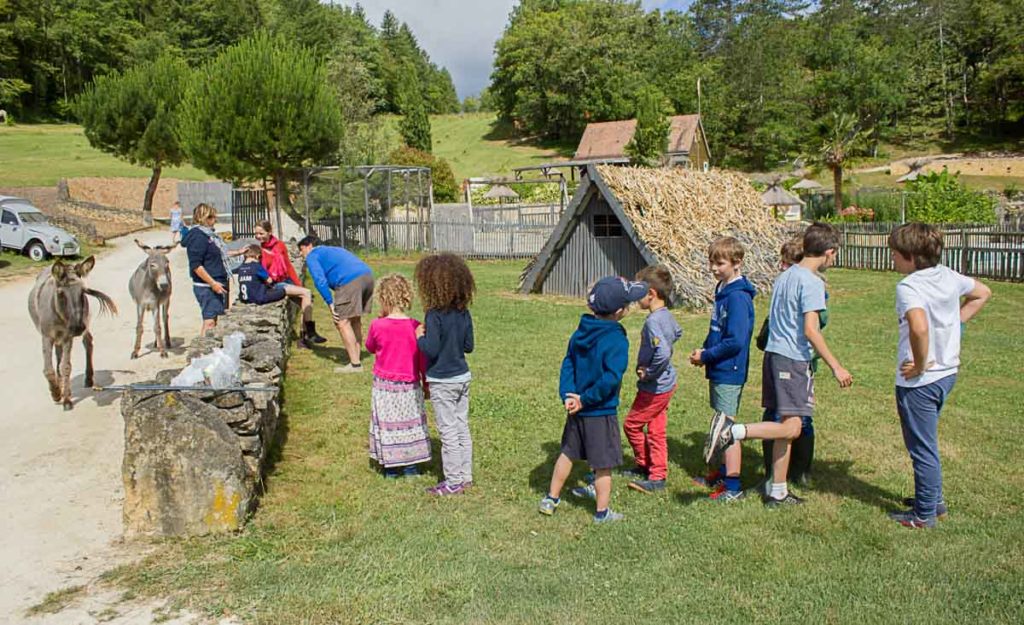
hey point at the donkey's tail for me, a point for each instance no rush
(107, 305)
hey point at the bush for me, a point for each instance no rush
(941, 198)
(445, 188)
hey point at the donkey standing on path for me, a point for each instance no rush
(60, 310)
(150, 287)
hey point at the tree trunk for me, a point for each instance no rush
(280, 191)
(837, 185)
(147, 202)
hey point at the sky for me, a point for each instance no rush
(460, 34)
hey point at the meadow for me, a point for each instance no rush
(334, 542)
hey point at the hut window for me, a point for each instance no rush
(607, 226)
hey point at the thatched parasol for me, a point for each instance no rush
(677, 213)
(777, 196)
(501, 193)
(807, 185)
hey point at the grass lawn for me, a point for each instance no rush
(333, 542)
(477, 145)
(38, 155)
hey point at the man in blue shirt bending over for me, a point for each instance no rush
(346, 284)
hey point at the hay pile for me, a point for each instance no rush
(679, 212)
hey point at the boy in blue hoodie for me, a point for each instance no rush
(589, 386)
(655, 385)
(726, 351)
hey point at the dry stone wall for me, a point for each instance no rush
(194, 461)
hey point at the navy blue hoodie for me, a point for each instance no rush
(593, 365)
(727, 348)
(202, 252)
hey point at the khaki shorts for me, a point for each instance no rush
(355, 298)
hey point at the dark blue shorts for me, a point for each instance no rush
(210, 303)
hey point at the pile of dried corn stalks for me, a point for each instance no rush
(679, 212)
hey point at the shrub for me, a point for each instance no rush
(445, 188)
(941, 198)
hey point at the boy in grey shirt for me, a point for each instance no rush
(655, 385)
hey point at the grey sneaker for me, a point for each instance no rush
(719, 436)
(789, 500)
(609, 518)
(547, 506)
(349, 368)
(910, 520)
(584, 492)
(941, 510)
(647, 486)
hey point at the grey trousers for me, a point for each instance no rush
(451, 411)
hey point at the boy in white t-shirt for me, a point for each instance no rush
(931, 303)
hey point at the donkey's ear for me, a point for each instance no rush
(161, 249)
(83, 268)
(59, 271)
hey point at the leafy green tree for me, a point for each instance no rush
(262, 108)
(650, 139)
(841, 137)
(134, 116)
(415, 126)
(445, 188)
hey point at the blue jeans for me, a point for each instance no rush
(919, 410)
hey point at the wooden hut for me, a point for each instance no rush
(622, 219)
(606, 142)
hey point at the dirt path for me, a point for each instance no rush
(60, 472)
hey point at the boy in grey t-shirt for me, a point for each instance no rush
(794, 334)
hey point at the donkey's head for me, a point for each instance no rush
(69, 303)
(158, 268)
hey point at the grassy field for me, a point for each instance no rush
(333, 542)
(14, 264)
(38, 155)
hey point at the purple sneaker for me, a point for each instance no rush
(444, 488)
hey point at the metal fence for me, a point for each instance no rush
(472, 239)
(248, 208)
(982, 251)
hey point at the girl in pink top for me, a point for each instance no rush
(398, 420)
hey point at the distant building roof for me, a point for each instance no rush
(607, 140)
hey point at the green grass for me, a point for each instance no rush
(477, 145)
(56, 601)
(37, 155)
(333, 542)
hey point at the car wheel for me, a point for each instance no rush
(36, 251)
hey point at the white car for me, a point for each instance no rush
(24, 228)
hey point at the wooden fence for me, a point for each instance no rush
(982, 251)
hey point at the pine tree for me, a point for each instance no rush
(134, 117)
(415, 126)
(647, 147)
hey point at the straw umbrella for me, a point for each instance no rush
(501, 193)
(776, 196)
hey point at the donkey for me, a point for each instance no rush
(60, 311)
(150, 287)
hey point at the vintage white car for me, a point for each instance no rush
(24, 228)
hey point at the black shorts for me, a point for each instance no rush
(594, 439)
(787, 386)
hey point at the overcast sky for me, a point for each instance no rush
(460, 34)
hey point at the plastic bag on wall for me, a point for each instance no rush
(219, 369)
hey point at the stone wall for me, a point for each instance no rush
(194, 461)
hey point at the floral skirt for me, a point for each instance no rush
(398, 424)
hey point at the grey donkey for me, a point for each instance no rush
(59, 307)
(150, 287)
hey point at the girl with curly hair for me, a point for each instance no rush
(399, 439)
(446, 288)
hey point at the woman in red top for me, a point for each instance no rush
(275, 255)
(279, 266)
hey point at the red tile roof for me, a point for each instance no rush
(609, 139)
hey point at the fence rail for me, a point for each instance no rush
(982, 251)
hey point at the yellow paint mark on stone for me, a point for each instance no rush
(223, 514)
(170, 400)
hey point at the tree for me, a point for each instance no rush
(841, 137)
(134, 117)
(647, 147)
(262, 108)
(415, 126)
(442, 177)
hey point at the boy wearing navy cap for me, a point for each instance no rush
(589, 386)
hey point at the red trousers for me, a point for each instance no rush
(650, 448)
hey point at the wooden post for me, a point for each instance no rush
(341, 211)
(965, 256)
(366, 209)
